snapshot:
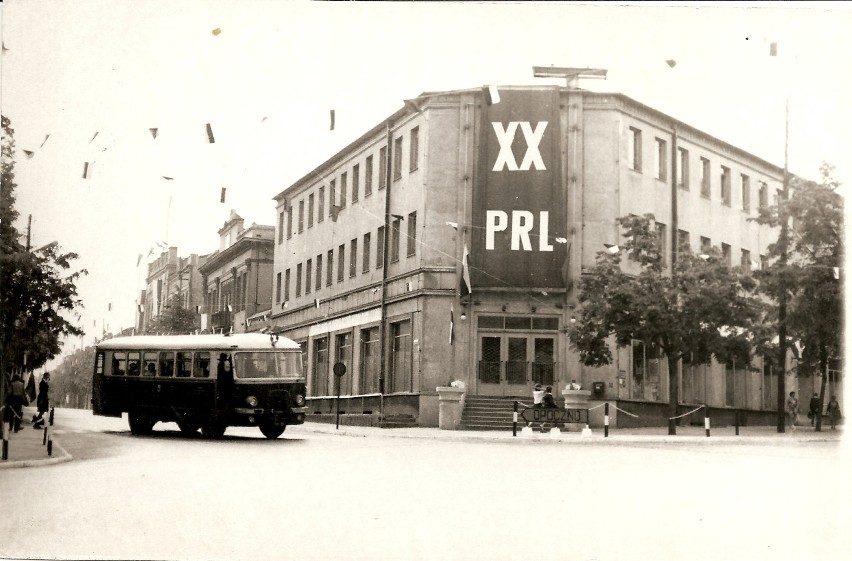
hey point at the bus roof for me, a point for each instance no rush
(242, 341)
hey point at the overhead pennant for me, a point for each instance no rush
(167, 178)
(154, 132)
(87, 170)
(492, 95)
(138, 259)
(45, 140)
(216, 31)
(331, 116)
(773, 49)
(264, 119)
(465, 288)
(109, 307)
(210, 138)
(671, 63)
(94, 137)
(222, 196)
(29, 154)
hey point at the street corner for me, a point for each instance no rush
(29, 448)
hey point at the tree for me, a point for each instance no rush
(703, 308)
(175, 319)
(811, 274)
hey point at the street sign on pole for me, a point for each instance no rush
(339, 370)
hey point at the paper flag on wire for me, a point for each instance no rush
(94, 137)
(216, 31)
(87, 170)
(138, 259)
(492, 95)
(264, 119)
(29, 154)
(45, 140)
(210, 138)
(222, 197)
(154, 132)
(671, 63)
(109, 307)
(168, 178)
(331, 116)
(773, 49)
(4, 48)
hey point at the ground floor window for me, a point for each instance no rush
(645, 375)
(399, 374)
(770, 385)
(343, 354)
(369, 382)
(694, 378)
(320, 372)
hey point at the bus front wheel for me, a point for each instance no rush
(271, 431)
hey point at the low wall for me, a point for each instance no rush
(657, 415)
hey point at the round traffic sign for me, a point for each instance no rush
(339, 369)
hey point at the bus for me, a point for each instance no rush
(207, 382)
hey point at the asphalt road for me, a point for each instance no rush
(327, 496)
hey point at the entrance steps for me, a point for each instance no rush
(399, 421)
(488, 413)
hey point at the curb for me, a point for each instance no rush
(46, 461)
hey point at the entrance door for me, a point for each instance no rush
(507, 363)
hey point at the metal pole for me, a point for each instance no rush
(707, 420)
(606, 419)
(782, 297)
(515, 420)
(5, 434)
(337, 403)
(737, 422)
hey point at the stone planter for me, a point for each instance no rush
(576, 399)
(450, 406)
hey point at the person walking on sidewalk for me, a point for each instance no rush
(833, 412)
(792, 409)
(813, 409)
(43, 401)
(547, 402)
(15, 401)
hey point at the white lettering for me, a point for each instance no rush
(505, 138)
(532, 157)
(543, 224)
(495, 221)
(533, 138)
(522, 223)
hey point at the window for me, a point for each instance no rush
(412, 234)
(356, 171)
(319, 271)
(298, 280)
(289, 222)
(660, 159)
(287, 285)
(394, 242)
(329, 268)
(343, 187)
(383, 167)
(726, 254)
(763, 195)
(705, 245)
(646, 364)
(634, 151)
(745, 259)
(682, 241)
(705, 177)
(201, 365)
(746, 191)
(133, 363)
(301, 216)
(380, 247)
(321, 204)
(370, 351)
(725, 181)
(368, 176)
(184, 364)
(308, 276)
(764, 262)
(340, 257)
(278, 287)
(399, 375)
(353, 257)
(167, 364)
(397, 158)
(320, 374)
(331, 197)
(366, 266)
(119, 363)
(662, 242)
(343, 353)
(683, 168)
(281, 227)
(413, 149)
(310, 210)
(150, 361)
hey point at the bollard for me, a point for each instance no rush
(5, 439)
(737, 422)
(706, 420)
(515, 420)
(44, 437)
(49, 433)
(606, 419)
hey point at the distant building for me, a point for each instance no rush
(169, 277)
(370, 249)
(237, 278)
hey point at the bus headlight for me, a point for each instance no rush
(300, 400)
(252, 401)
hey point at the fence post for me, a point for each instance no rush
(5, 434)
(606, 419)
(707, 420)
(515, 420)
(49, 431)
(737, 421)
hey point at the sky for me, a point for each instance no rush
(265, 75)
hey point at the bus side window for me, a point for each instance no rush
(201, 367)
(184, 364)
(167, 364)
(150, 364)
(133, 364)
(119, 363)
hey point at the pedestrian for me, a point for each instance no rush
(833, 412)
(574, 385)
(538, 394)
(15, 401)
(43, 401)
(547, 402)
(224, 380)
(813, 409)
(792, 409)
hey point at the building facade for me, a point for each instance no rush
(446, 244)
(170, 276)
(236, 278)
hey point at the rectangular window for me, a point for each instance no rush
(366, 266)
(278, 287)
(150, 361)
(308, 276)
(662, 241)
(380, 247)
(683, 168)
(343, 354)
(133, 363)
(394, 242)
(414, 149)
(745, 182)
(201, 365)
(705, 177)
(368, 176)
(353, 257)
(745, 259)
(281, 227)
(725, 180)
(310, 210)
(763, 195)
(412, 234)
(383, 167)
(764, 262)
(400, 357)
(321, 204)
(343, 187)
(167, 364)
(646, 366)
(301, 216)
(726, 254)
(332, 196)
(289, 222)
(319, 271)
(320, 374)
(661, 159)
(356, 178)
(397, 158)
(287, 285)
(340, 258)
(682, 241)
(184, 364)
(705, 245)
(329, 268)
(634, 150)
(369, 360)
(298, 280)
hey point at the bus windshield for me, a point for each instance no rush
(267, 365)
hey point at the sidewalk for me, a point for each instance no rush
(26, 448)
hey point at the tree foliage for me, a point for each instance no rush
(703, 308)
(175, 319)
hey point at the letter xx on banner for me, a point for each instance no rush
(518, 199)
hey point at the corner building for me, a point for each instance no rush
(370, 245)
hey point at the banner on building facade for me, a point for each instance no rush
(518, 202)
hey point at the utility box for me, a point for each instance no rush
(598, 389)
